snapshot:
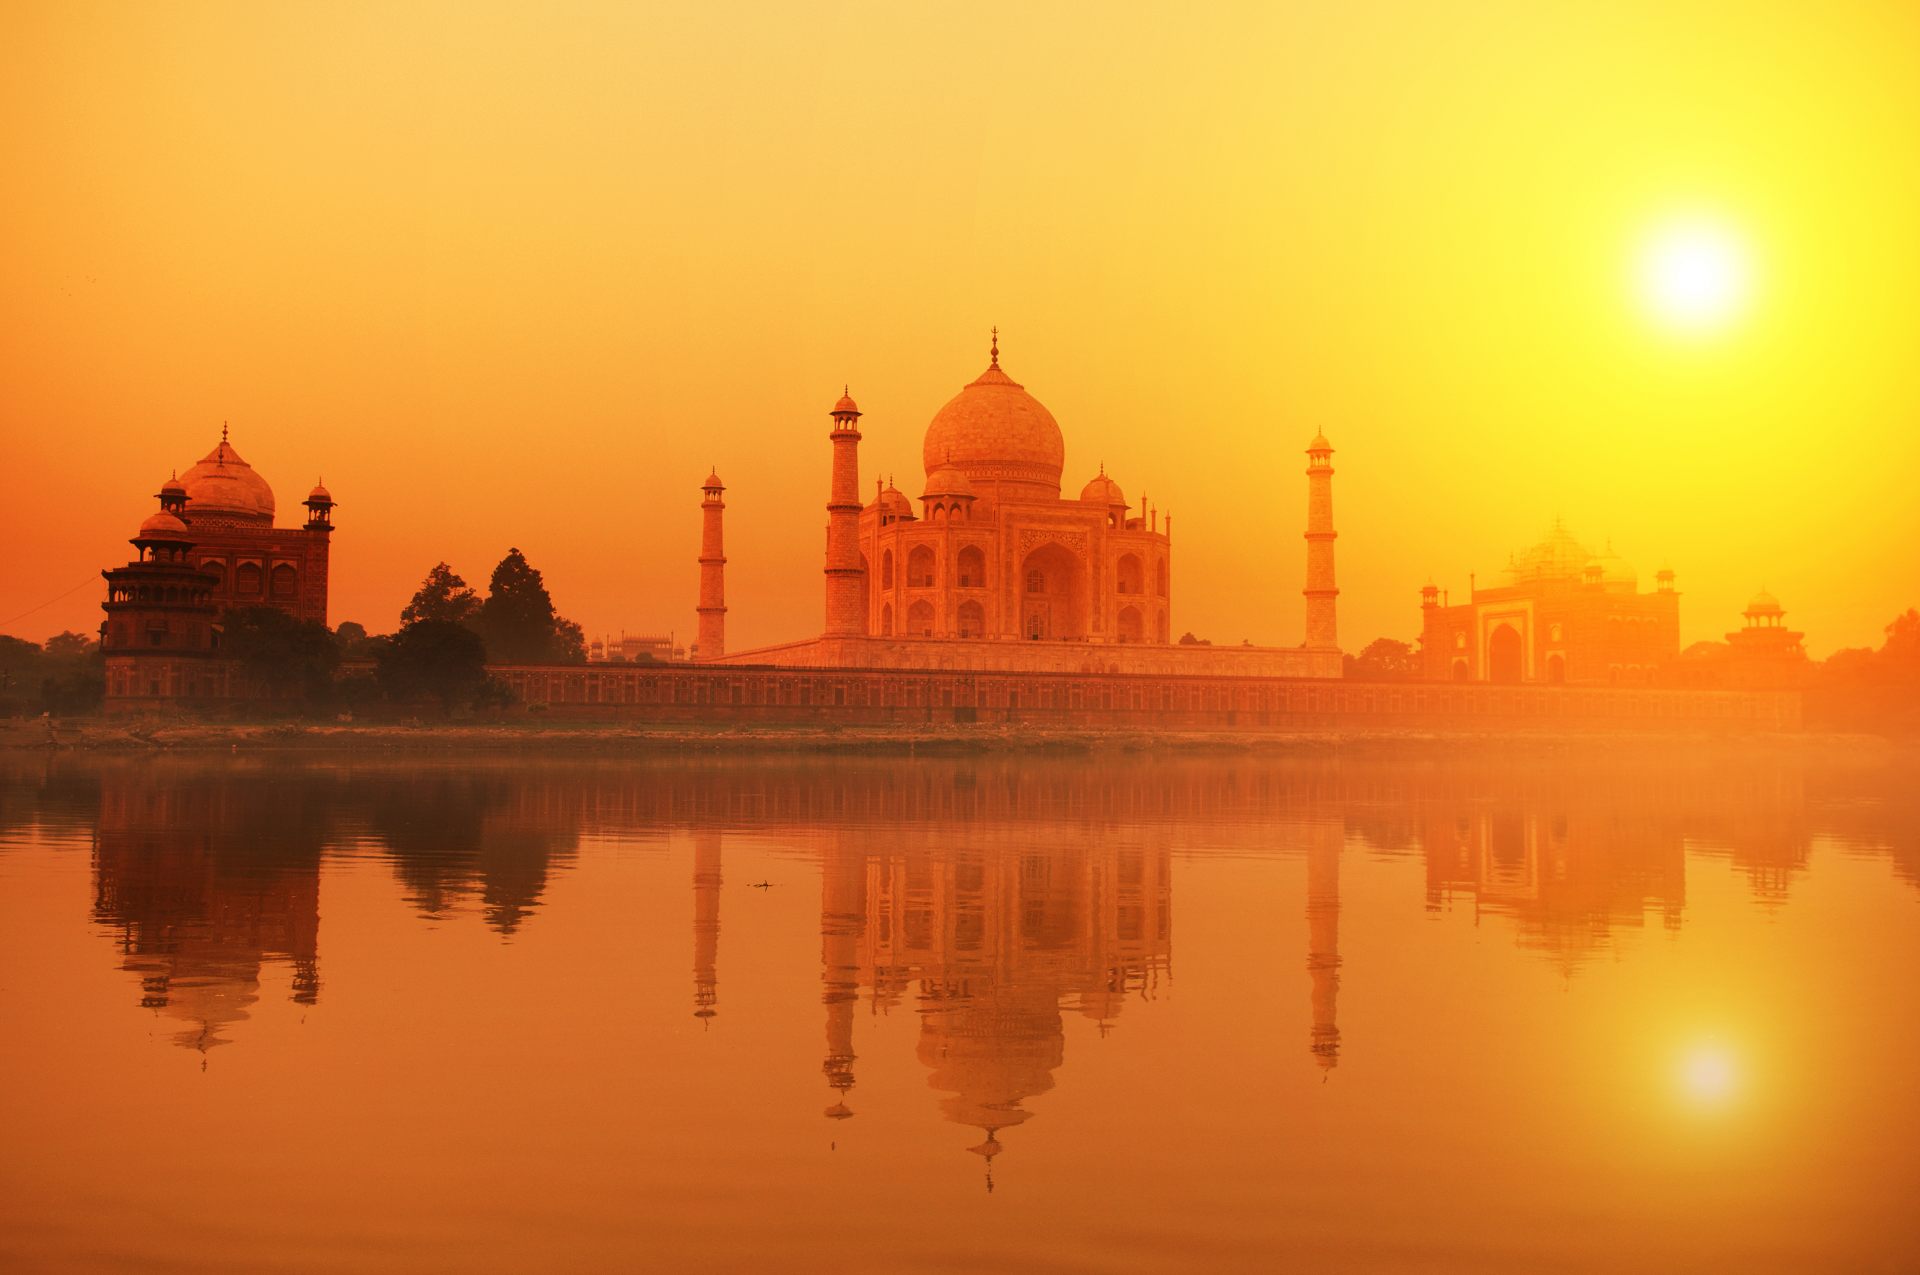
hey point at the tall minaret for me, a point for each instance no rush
(1323, 939)
(846, 585)
(1322, 633)
(713, 571)
(706, 921)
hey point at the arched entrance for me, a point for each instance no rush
(1505, 656)
(1130, 624)
(1557, 669)
(1053, 595)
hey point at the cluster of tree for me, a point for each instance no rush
(65, 674)
(1866, 689)
(516, 620)
(1383, 660)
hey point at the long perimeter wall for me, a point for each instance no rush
(914, 697)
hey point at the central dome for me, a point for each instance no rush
(224, 484)
(996, 433)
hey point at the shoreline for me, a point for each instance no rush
(105, 735)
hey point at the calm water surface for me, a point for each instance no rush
(849, 1014)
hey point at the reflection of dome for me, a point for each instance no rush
(1765, 603)
(1103, 491)
(222, 483)
(163, 526)
(993, 429)
(947, 481)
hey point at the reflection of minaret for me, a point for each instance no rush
(1323, 939)
(843, 916)
(706, 920)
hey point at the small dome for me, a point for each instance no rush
(1319, 443)
(1104, 491)
(1613, 568)
(845, 405)
(893, 501)
(713, 481)
(947, 481)
(162, 526)
(222, 483)
(1765, 603)
(173, 487)
(1558, 557)
(319, 495)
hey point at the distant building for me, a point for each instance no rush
(1766, 653)
(1563, 614)
(634, 650)
(211, 547)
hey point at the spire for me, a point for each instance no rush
(993, 351)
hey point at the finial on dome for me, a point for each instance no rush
(993, 350)
(223, 431)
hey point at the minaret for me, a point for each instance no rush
(1323, 941)
(706, 921)
(1322, 633)
(846, 585)
(713, 570)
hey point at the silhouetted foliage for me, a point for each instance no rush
(285, 654)
(443, 595)
(518, 620)
(1188, 639)
(1383, 660)
(66, 675)
(1863, 689)
(433, 659)
(354, 642)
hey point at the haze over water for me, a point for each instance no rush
(854, 1014)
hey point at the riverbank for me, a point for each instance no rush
(188, 736)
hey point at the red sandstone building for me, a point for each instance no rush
(1563, 615)
(212, 547)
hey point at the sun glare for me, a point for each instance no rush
(1708, 1077)
(1695, 276)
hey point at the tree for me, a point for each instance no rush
(1383, 660)
(354, 642)
(70, 644)
(1188, 639)
(438, 659)
(518, 620)
(443, 595)
(287, 655)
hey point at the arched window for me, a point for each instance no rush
(1160, 577)
(218, 570)
(886, 619)
(247, 580)
(886, 569)
(285, 582)
(1126, 574)
(920, 620)
(972, 568)
(1129, 624)
(920, 568)
(1036, 581)
(971, 620)
(1160, 629)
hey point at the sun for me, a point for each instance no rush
(1695, 276)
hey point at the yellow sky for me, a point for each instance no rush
(519, 275)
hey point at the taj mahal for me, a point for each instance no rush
(997, 569)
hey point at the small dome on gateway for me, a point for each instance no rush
(223, 483)
(1104, 491)
(173, 487)
(320, 495)
(1765, 603)
(162, 526)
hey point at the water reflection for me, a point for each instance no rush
(991, 898)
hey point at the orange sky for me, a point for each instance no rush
(519, 275)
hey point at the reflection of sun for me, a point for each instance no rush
(1694, 276)
(1707, 1076)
